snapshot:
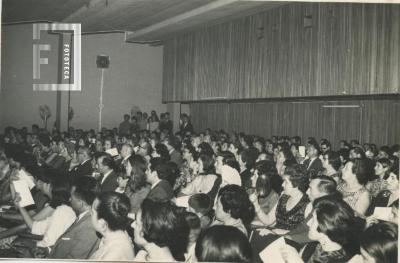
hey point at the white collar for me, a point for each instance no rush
(82, 215)
(155, 184)
(105, 176)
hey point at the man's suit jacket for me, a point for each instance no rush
(110, 183)
(83, 169)
(161, 192)
(78, 242)
(315, 167)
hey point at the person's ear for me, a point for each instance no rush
(102, 224)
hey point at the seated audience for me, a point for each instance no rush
(336, 230)
(63, 216)
(288, 213)
(80, 240)
(227, 166)
(223, 244)
(331, 163)
(108, 175)
(162, 232)
(156, 176)
(312, 162)
(233, 208)
(382, 170)
(136, 188)
(201, 204)
(355, 176)
(389, 197)
(110, 219)
(81, 165)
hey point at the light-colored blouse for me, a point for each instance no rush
(116, 246)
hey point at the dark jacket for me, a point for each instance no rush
(161, 192)
(110, 183)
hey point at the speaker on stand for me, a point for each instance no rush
(103, 62)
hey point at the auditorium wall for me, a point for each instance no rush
(368, 120)
(134, 78)
(297, 50)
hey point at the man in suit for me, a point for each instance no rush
(126, 152)
(109, 178)
(84, 165)
(173, 144)
(313, 164)
(80, 240)
(156, 175)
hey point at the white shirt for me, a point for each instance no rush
(54, 226)
(155, 184)
(200, 184)
(105, 176)
(230, 176)
(116, 246)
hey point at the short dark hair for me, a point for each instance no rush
(162, 150)
(328, 186)
(337, 220)
(201, 203)
(363, 170)
(164, 224)
(208, 163)
(86, 189)
(380, 242)
(334, 160)
(60, 190)
(249, 157)
(235, 201)
(223, 244)
(107, 160)
(114, 207)
(297, 176)
(160, 166)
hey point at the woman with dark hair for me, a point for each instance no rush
(382, 170)
(247, 159)
(285, 158)
(294, 148)
(137, 188)
(206, 178)
(265, 195)
(355, 176)
(161, 231)
(379, 243)
(223, 244)
(288, 213)
(235, 148)
(388, 197)
(234, 208)
(53, 226)
(160, 150)
(110, 219)
(331, 163)
(336, 229)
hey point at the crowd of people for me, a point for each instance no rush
(140, 192)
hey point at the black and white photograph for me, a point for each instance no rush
(254, 131)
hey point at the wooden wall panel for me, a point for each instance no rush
(376, 121)
(348, 49)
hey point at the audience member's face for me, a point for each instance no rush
(220, 214)
(382, 154)
(98, 224)
(287, 185)
(224, 146)
(311, 151)
(258, 146)
(379, 169)
(81, 156)
(232, 148)
(347, 172)
(100, 167)
(313, 191)
(186, 154)
(138, 230)
(107, 145)
(218, 164)
(325, 162)
(261, 157)
(353, 155)
(76, 203)
(125, 151)
(122, 181)
(254, 178)
(393, 182)
(324, 148)
(313, 233)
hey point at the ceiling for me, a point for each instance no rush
(144, 20)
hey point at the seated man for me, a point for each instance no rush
(80, 240)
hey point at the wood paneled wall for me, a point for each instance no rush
(375, 121)
(346, 49)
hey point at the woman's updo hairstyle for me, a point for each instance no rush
(114, 207)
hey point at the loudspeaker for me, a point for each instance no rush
(103, 61)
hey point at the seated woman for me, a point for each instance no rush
(206, 178)
(161, 231)
(284, 159)
(336, 230)
(223, 244)
(110, 218)
(382, 170)
(233, 208)
(389, 197)
(379, 244)
(54, 225)
(264, 196)
(136, 189)
(355, 176)
(288, 213)
(331, 163)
